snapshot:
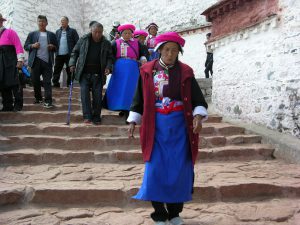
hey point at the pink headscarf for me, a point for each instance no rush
(123, 27)
(140, 33)
(168, 37)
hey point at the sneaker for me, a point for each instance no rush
(48, 105)
(18, 108)
(87, 121)
(97, 121)
(37, 101)
(176, 221)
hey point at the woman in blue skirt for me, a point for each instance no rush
(170, 106)
(128, 53)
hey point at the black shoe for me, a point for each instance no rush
(38, 101)
(7, 109)
(48, 105)
(18, 108)
(56, 85)
(96, 121)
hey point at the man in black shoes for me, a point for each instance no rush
(67, 38)
(41, 46)
(94, 54)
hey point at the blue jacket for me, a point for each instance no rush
(32, 38)
(72, 38)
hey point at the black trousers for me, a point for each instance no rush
(45, 69)
(60, 60)
(91, 110)
(7, 99)
(209, 64)
(162, 213)
(208, 69)
(18, 95)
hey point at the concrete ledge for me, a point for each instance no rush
(287, 147)
(206, 87)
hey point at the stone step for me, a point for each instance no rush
(57, 100)
(53, 116)
(55, 93)
(57, 107)
(56, 156)
(107, 143)
(115, 184)
(267, 212)
(82, 130)
(54, 90)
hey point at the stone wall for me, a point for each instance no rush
(22, 15)
(173, 14)
(257, 72)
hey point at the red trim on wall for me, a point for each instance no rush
(229, 16)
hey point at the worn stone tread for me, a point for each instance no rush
(130, 155)
(273, 212)
(91, 183)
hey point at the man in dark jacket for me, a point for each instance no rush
(67, 38)
(94, 54)
(41, 46)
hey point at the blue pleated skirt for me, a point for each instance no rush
(168, 176)
(122, 84)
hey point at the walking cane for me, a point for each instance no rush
(70, 100)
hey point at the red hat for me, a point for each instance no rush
(123, 27)
(138, 33)
(1, 18)
(169, 37)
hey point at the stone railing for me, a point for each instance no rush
(206, 87)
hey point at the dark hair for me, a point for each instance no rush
(96, 25)
(65, 18)
(92, 22)
(42, 17)
(208, 34)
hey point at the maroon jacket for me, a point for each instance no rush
(147, 129)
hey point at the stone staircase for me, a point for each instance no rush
(55, 174)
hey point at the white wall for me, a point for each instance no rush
(168, 14)
(22, 15)
(257, 76)
(195, 53)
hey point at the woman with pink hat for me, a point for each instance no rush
(170, 106)
(128, 53)
(150, 42)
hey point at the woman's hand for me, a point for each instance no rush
(106, 72)
(131, 130)
(197, 124)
